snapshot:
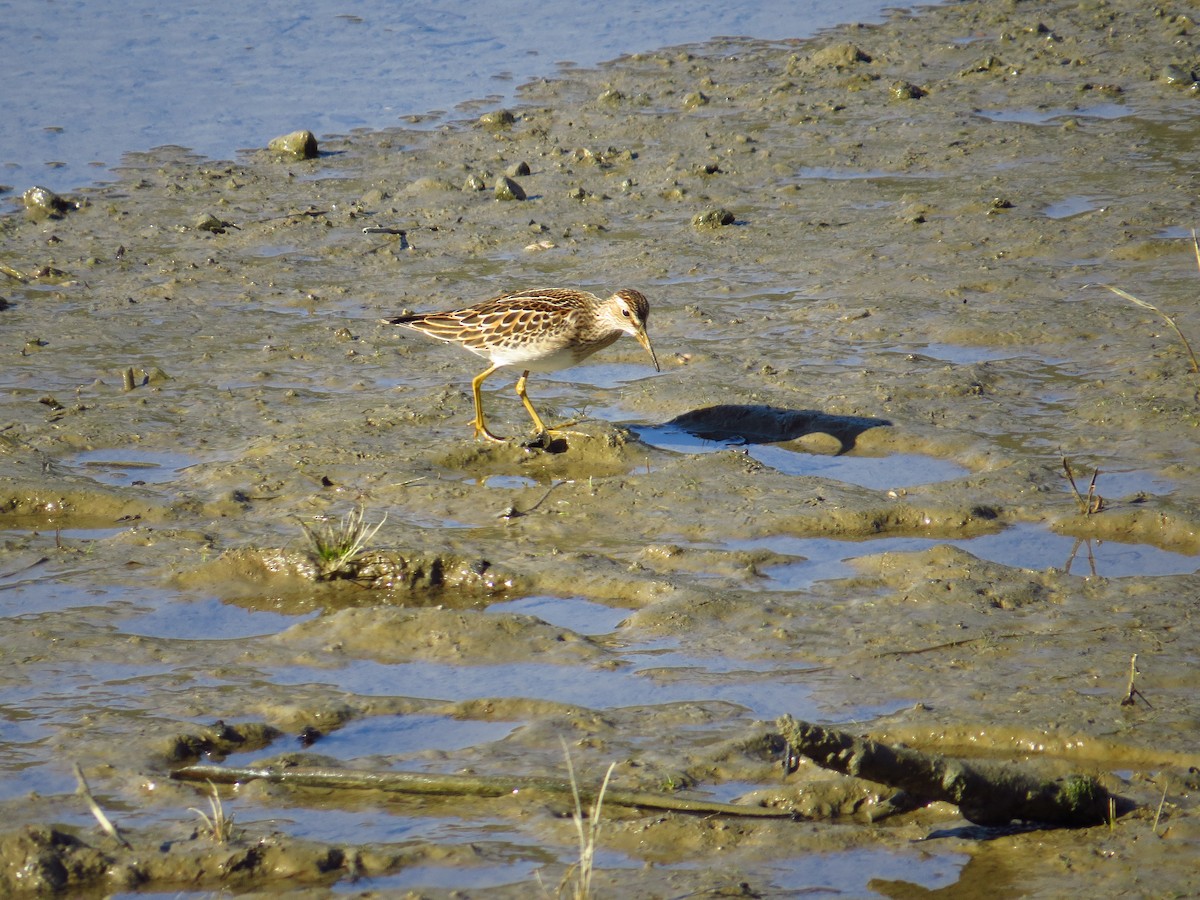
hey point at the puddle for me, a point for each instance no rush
(368, 824)
(954, 353)
(663, 658)
(604, 375)
(52, 592)
(850, 874)
(506, 482)
(833, 173)
(765, 695)
(1074, 206)
(727, 791)
(1114, 485)
(451, 878)
(1045, 116)
(124, 467)
(1174, 233)
(1025, 545)
(208, 619)
(899, 470)
(393, 736)
(578, 615)
(26, 767)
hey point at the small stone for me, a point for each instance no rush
(1177, 75)
(610, 97)
(518, 170)
(474, 182)
(840, 56)
(507, 189)
(209, 222)
(428, 183)
(713, 218)
(43, 203)
(298, 145)
(695, 99)
(497, 120)
(905, 90)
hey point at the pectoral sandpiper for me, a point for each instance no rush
(535, 331)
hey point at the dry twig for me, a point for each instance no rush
(106, 823)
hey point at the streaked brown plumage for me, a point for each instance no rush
(537, 331)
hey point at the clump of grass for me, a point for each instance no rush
(1154, 309)
(218, 826)
(333, 545)
(577, 882)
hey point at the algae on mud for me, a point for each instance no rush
(895, 256)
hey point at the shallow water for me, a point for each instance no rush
(1023, 546)
(898, 470)
(677, 679)
(229, 76)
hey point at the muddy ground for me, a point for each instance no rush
(195, 363)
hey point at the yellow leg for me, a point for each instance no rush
(537, 420)
(481, 430)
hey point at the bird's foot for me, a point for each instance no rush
(481, 431)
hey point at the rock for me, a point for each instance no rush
(297, 145)
(428, 183)
(43, 203)
(906, 90)
(713, 218)
(839, 56)
(507, 189)
(1177, 75)
(497, 120)
(209, 222)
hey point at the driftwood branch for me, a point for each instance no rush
(465, 785)
(986, 794)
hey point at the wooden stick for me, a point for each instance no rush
(105, 822)
(465, 785)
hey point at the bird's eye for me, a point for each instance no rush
(625, 313)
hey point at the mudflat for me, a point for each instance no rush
(875, 263)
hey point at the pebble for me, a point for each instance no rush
(497, 120)
(297, 145)
(507, 189)
(713, 218)
(43, 203)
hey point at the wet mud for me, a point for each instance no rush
(872, 261)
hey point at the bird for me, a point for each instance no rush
(539, 330)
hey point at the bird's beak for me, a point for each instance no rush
(644, 340)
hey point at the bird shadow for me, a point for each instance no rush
(771, 424)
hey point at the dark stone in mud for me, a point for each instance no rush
(713, 218)
(507, 189)
(769, 425)
(43, 203)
